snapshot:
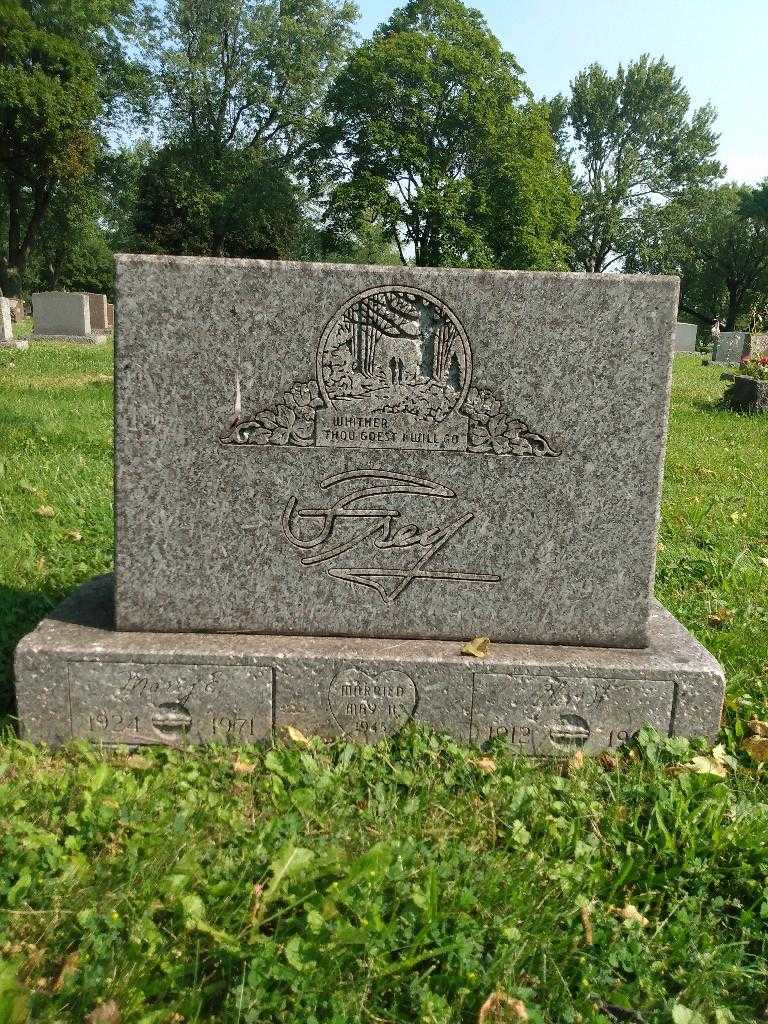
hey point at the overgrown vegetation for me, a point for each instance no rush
(407, 882)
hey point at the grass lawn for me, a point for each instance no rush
(406, 882)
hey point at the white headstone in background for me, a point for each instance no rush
(684, 337)
(731, 346)
(6, 327)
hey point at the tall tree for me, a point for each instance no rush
(237, 205)
(432, 122)
(635, 141)
(106, 32)
(48, 101)
(717, 241)
(247, 73)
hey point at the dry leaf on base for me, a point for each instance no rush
(243, 767)
(296, 735)
(757, 728)
(717, 763)
(706, 766)
(105, 1013)
(577, 761)
(763, 561)
(73, 535)
(499, 1006)
(486, 764)
(477, 648)
(757, 748)
(631, 913)
(46, 511)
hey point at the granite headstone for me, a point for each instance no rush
(97, 309)
(329, 477)
(731, 347)
(63, 315)
(6, 323)
(361, 451)
(685, 337)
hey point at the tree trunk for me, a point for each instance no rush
(734, 307)
(20, 245)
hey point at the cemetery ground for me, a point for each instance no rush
(418, 880)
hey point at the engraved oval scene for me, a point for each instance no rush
(397, 351)
(367, 708)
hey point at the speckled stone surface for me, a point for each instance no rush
(76, 676)
(389, 452)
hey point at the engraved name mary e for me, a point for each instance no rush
(393, 369)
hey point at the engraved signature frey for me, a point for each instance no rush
(357, 518)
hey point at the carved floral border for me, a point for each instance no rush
(290, 422)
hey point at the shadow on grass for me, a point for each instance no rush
(20, 611)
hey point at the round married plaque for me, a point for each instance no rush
(367, 707)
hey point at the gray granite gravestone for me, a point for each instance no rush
(64, 315)
(308, 453)
(731, 347)
(685, 337)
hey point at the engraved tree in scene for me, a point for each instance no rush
(395, 351)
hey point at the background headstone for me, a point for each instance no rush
(499, 435)
(685, 337)
(97, 308)
(730, 347)
(6, 324)
(63, 315)
(6, 327)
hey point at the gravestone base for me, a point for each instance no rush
(82, 339)
(77, 677)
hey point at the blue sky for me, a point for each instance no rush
(720, 50)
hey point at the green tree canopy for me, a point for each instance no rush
(247, 73)
(717, 241)
(48, 101)
(241, 204)
(635, 141)
(432, 121)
